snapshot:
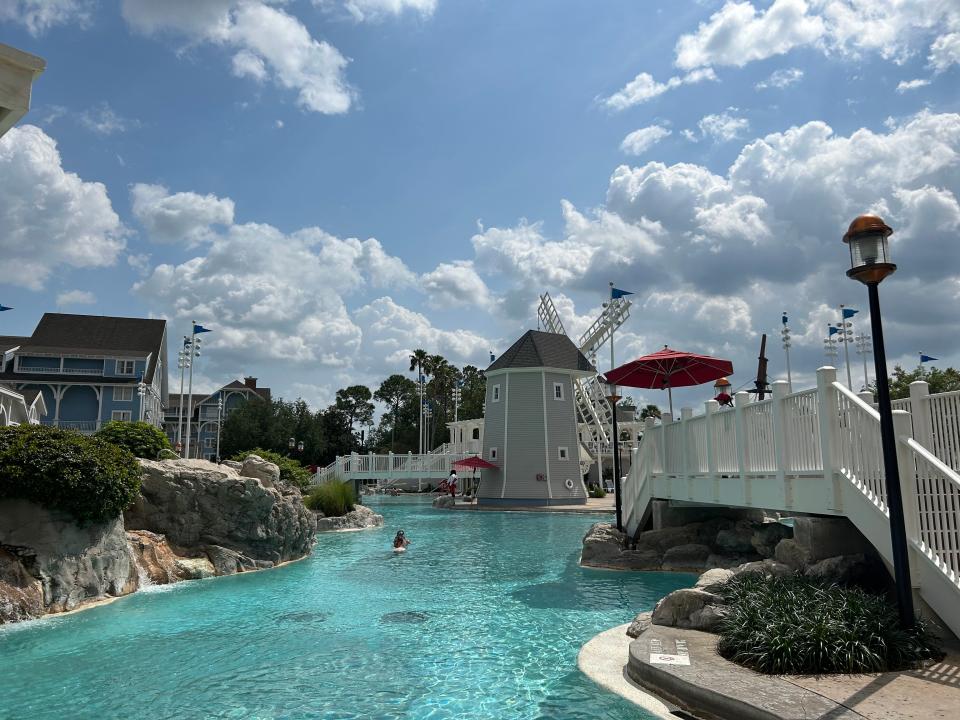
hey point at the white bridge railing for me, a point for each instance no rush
(390, 466)
(818, 451)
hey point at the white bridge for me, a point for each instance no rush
(818, 451)
(391, 468)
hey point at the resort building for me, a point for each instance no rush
(530, 424)
(21, 408)
(18, 70)
(90, 369)
(208, 415)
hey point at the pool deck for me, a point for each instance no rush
(594, 505)
(710, 686)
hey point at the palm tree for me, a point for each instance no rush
(650, 411)
(420, 361)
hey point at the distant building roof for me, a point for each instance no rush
(96, 332)
(543, 349)
(11, 341)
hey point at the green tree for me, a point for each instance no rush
(270, 425)
(938, 380)
(142, 439)
(473, 393)
(354, 403)
(394, 392)
(649, 411)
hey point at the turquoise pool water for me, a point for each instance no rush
(482, 618)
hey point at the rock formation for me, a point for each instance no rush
(360, 518)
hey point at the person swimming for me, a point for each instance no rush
(400, 541)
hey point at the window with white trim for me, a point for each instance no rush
(125, 367)
(123, 394)
(122, 415)
(496, 393)
(493, 453)
(558, 391)
(562, 453)
(208, 442)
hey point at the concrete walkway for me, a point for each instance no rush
(709, 686)
(594, 505)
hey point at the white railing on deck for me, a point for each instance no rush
(391, 466)
(802, 424)
(760, 448)
(857, 449)
(938, 506)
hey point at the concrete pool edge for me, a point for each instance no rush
(603, 659)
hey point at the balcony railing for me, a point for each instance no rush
(61, 371)
(80, 426)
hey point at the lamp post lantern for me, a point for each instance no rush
(613, 398)
(141, 396)
(870, 263)
(785, 339)
(219, 423)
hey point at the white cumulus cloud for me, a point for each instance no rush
(183, 217)
(37, 16)
(785, 77)
(643, 88)
(723, 127)
(639, 141)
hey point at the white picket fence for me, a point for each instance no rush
(818, 451)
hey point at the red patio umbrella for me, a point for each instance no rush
(668, 369)
(475, 462)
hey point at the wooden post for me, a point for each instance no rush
(903, 430)
(781, 441)
(828, 415)
(685, 464)
(920, 410)
(710, 408)
(741, 400)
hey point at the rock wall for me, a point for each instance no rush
(49, 564)
(202, 507)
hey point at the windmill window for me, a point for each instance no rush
(476, 433)
(496, 393)
(562, 453)
(558, 391)
(493, 453)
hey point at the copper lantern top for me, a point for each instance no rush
(867, 224)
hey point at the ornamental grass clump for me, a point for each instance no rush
(87, 477)
(795, 625)
(333, 498)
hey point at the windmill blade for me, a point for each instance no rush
(549, 317)
(613, 316)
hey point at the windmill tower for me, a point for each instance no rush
(593, 410)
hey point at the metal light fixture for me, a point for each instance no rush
(870, 263)
(610, 392)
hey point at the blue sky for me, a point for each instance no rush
(330, 184)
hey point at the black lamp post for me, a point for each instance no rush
(295, 446)
(613, 399)
(870, 264)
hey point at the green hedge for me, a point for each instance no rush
(142, 439)
(291, 471)
(333, 498)
(87, 477)
(795, 625)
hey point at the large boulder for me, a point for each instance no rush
(766, 537)
(265, 471)
(73, 565)
(197, 504)
(842, 569)
(686, 557)
(640, 623)
(606, 547)
(737, 539)
(155, 560)
(790, 552)
(668, 537)
(360, 518)
(21, 595)
(768, 568)
(714, 577)
(690, 608)
(444, 501)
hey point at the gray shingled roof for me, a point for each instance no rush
(11, 341)
(542, 349)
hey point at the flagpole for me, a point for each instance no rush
(193, 339)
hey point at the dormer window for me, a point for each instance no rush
(125, 367)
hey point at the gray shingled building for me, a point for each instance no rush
(530, 426)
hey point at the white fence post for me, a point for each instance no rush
(902, 431)
(920, 409)
(828, 413)
(781, 441)
(741, 400)
(685, 415)
(710, 408)
(666, 420)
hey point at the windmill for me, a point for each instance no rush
(592, 407)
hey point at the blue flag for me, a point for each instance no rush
(784, 319)
(849, 313)
(197, 329)
(615, 293)
(926, 358)
(832, 330)
(492, 357)
(4, 307)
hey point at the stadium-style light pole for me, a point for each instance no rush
(870, 263)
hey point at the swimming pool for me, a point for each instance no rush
(482, 618)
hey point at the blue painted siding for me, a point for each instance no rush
(83, 364)
(79, 402)
(110, 404)
(111, 364)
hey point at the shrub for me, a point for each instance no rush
(333, 498)
(596, 491)
(89, 478)
(291, 471)
(142, 439)
(797, 625)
